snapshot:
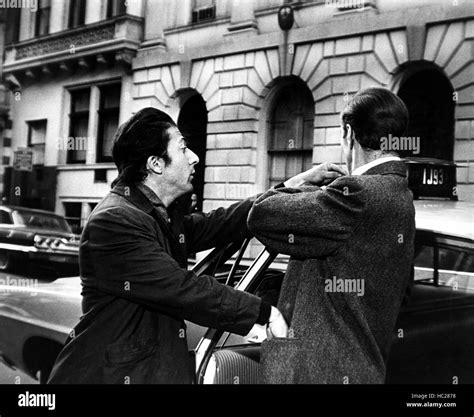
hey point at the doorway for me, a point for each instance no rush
(192, 122)
(428, 95)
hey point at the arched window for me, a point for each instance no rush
(428, 96)
(290, 145)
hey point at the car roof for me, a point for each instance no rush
(453, 218)
(13, 208)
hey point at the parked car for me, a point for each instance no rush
(433, 338)
(37, 239)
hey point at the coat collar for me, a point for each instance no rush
(134, 196)
(362, 169)
(146, 200)
(155, 208)
(387, 168)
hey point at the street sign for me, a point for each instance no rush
(23, 159)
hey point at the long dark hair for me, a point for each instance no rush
(143, 135)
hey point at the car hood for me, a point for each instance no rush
(55, 304)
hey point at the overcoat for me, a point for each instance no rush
(137, 291)
(351, 246)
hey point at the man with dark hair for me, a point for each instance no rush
(136, 288)
(351, 242)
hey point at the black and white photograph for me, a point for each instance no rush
(240, 193)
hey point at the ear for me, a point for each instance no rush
(153, 163)
(350, 135)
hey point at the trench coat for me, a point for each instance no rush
(351, 246)
(137, 291)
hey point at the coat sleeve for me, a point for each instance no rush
(307, 222)
(129, 262)
(223, 225)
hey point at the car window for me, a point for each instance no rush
(455, 260)
(446, 266)
(40, 221)
(232, 271)
(5, 217)
(268, 288)
(456, 269)
(270, 285)
(424, 263)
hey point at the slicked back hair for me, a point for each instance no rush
(145, 134)
(375, 113)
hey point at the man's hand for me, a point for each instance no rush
(320, 175)
(277, 326)
(257, 334)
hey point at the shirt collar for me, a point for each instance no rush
(364, 168)
(150, 195)
(155, 200)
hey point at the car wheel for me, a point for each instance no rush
(5, 260)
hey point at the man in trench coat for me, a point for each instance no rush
(137, 291)
(351, 246)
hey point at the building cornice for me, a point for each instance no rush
(340, 26)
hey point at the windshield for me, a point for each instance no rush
(40, 220)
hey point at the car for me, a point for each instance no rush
(37, 239)
(433, 337)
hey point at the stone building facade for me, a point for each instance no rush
(244, 67)
(262, 103)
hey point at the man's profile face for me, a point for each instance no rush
(178, 173)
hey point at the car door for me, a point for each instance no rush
(433, 338)
(226, 358)
(224, 264)
(434, 335)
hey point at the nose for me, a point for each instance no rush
(193, 158)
